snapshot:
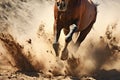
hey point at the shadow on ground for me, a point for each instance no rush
(108, 75)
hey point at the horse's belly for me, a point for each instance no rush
(83, 25)
(86, 19)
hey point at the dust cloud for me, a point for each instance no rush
(26, 36)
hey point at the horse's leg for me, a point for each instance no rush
(82, 36)
(68, 38)
(56, 38)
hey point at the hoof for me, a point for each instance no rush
(56, 47)
(64, 54)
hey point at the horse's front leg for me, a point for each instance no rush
(57, 31)
(68, 38)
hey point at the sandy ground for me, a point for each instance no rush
(26, 37)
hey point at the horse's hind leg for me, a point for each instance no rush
(68, 38)
(82, 36)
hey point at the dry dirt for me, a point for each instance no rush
(26, 36)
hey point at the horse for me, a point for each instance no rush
(72, 16)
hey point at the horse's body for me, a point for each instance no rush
(73, 16)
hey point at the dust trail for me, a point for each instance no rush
(30, 25)
(15, 50)
(17, 19)
(30, 39)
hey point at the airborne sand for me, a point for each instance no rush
(26, 28)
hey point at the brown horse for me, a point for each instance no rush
(72, 16)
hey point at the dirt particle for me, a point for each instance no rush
(50, 71)
(47, 51)
(23, 0)
(49, 61)
(29, 41)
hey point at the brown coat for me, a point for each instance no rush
(79, 12)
